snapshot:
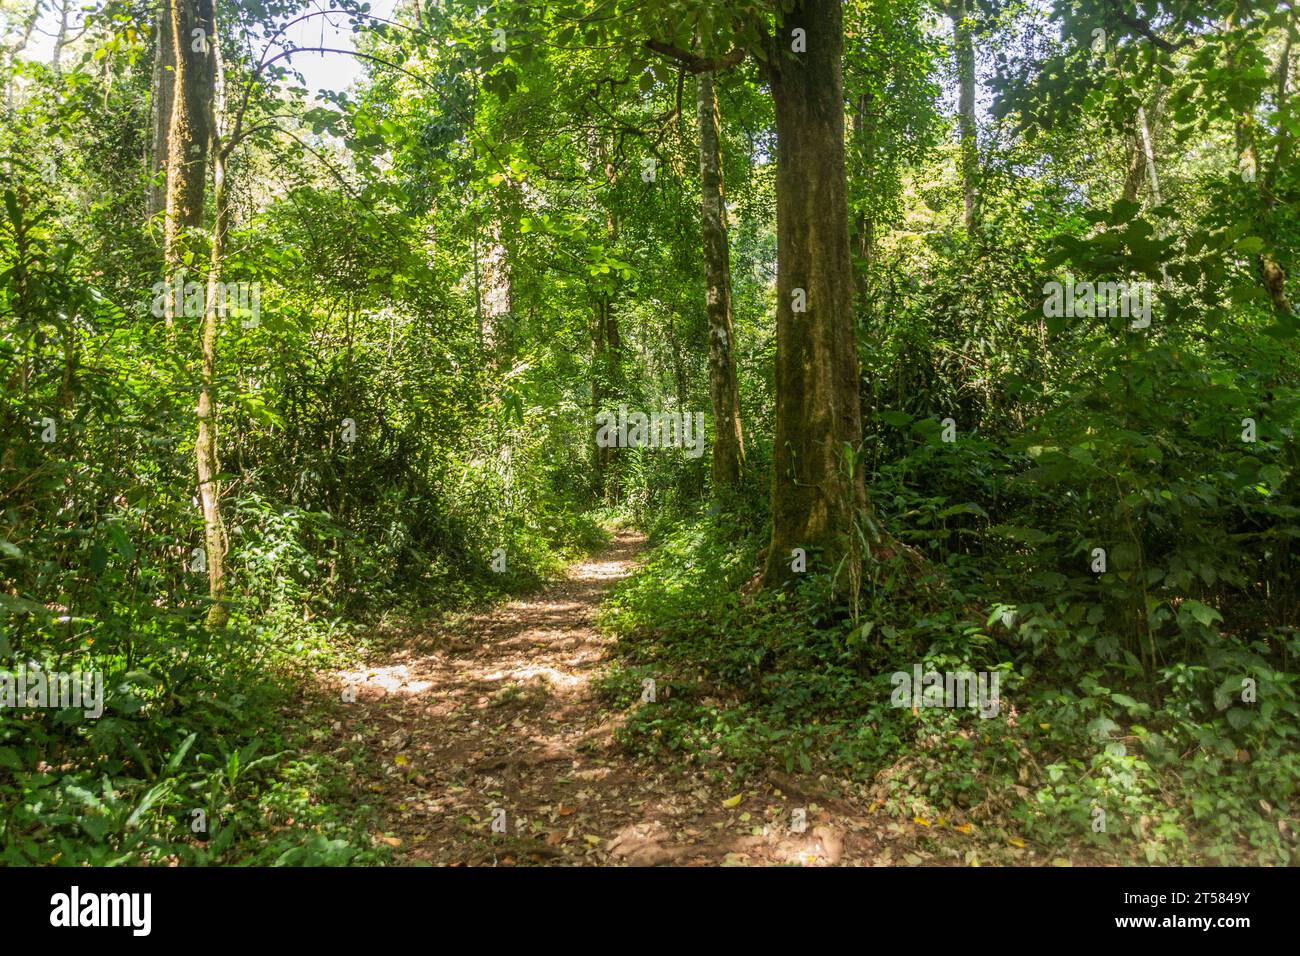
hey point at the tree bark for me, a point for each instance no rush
(190, 141)
(606, 365)
(1149, 153)
(161, 109)
(1133, 175)
(208, 464)
(1146, 130)
(724, 391)
(190, 135)
(496, 305)
(864, 226)
(818, 498)
(607, 348)
(965, 53)
(61, 38)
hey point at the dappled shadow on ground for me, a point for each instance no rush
(493, 748)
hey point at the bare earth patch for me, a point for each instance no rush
(496, 719)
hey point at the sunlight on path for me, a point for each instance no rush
(496, 750)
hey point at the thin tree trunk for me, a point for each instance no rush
(1149, 154)
(607, 362)
(965, 53)
(163, 90)
(605, 374)
(205, 446)
(60, 39)
(724, 391)
(864, 227)
(1149, 151)
(190, 140)
(817, 497)
(599, 453)
(478, 287)
(495, 296)
(1133, 174)
(1142, 151)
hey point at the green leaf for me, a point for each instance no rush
(1199, 612)
(173, 764)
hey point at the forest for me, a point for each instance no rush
(649, 432)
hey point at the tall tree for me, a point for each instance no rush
(190, 142)
(189, 136)
(724, 392)
(207, 462)
(162, 88)
(607, 345)
(864, 225)
(61, 37)
(964, 52)
(818, 496)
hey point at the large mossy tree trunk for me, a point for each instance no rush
(189, 136)
(818, 497)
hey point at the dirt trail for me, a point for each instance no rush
(495, 718)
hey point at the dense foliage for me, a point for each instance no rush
(494, 235)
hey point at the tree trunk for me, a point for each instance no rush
(205, 447)
(161, 110)
(61, 38)
(724, 392)
(965, 52)
(817, 497)
(1146, 132)
(495, 294)
(1149, 153)
(190, 139)
(1133, 175)
(190, 135)
(607, 347)
(864, 226)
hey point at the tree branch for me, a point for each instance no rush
(1142, 28)
(697, 64)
